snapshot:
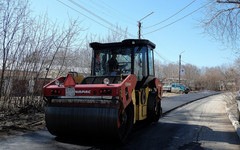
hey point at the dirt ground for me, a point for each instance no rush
(167, 94)
(15, 124)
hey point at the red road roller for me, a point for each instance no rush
(121, 90)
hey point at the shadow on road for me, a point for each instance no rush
(162, 136)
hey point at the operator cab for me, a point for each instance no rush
(126, 57)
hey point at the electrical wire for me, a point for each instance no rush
(185, 62)
(169, 61)
(95, 6)
(170, 16)
(78, 5)
(106, 27)
(89, 17)
(124, 16)
(178, 19)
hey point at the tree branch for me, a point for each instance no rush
(228, 1)
(219, 13)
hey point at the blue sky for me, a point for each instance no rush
(184, 35)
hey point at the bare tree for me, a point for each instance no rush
(28, 46)
(192, 76)
(212, 78)
(117, 34)
(13, 21)
(158, 66)
(222, 21)
(229, 1)
(170, 71)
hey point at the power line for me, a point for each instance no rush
(170, 16)
(95, 7)
(90, 12)
(78, 5)
(88, 17)
(111, 12)
(169, 61)
(178, 19)
(185, 62)
(85, 15)
(127, 18)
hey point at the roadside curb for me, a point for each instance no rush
(233, 120)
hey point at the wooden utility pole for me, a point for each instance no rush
(139, 29)
(140, 25)
(179, 75)
(179, 71)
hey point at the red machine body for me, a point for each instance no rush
(68, 88)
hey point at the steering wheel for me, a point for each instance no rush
(123, 67)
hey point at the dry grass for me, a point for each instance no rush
(230, 99)
(15, 124)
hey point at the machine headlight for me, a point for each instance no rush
(106, 81)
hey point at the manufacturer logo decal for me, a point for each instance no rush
(83, 92)
(128, 84)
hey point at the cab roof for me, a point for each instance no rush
(127, 42)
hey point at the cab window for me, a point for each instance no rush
(140, 62)
(112, 61)
(150, 62)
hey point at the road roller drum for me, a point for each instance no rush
(87, 122)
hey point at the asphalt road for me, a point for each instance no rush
(170, 103)
(199, 125)
(202, 124)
